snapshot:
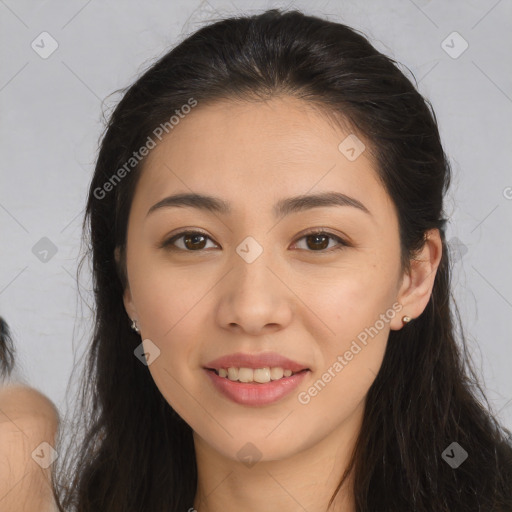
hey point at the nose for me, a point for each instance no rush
(254, 298)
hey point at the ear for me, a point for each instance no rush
(416, 286)
(127, 296)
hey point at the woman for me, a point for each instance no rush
(28, 428)
(274, 327)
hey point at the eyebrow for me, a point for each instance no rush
(282, 208)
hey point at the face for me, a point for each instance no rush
(318, 285)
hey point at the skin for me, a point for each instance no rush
(27, 419)
(302, 300)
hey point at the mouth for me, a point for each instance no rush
(255, 387)
(257, 379)
(255, 375)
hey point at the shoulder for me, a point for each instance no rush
(27, 405)
(28, 426)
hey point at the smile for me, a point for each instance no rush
(255, 393)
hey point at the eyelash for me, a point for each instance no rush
(342, 243)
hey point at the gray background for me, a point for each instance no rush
(51, 120)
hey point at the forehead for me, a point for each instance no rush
(256, 151)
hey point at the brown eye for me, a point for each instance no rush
(318, 241)
(192, 241)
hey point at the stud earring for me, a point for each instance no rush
(406, 319)
(134, 326)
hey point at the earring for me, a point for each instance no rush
(406, 319)
(134, 326)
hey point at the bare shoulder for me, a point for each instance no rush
(27, 405)
(29, 422)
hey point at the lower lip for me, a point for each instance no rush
(246, 393)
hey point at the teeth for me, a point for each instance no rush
(245, 374)
(260, 375)
(233, 373)
(276, 373)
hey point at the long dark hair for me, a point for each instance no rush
(137, 454)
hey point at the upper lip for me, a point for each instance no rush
(267, 359)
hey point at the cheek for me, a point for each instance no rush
(165, 293)
(351, 349)
(174, 332)
(165, 302)
(353, 308)
(347, 299)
